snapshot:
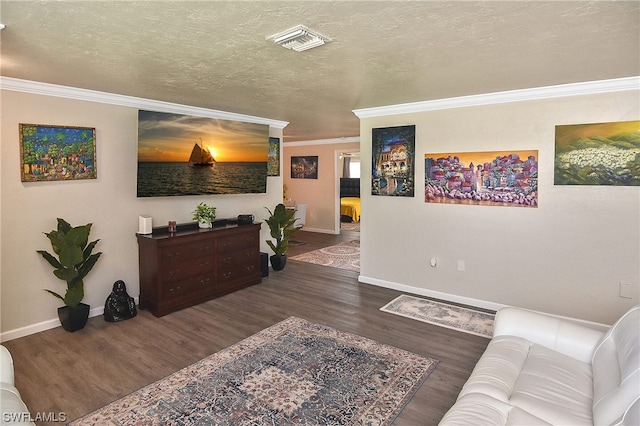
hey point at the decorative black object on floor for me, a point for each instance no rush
(119, 305)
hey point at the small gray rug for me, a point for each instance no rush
(442, 314)
(344, 256)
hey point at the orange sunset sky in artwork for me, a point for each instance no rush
(165, 137)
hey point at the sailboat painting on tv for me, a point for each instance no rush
(201, 156)
(188, 155)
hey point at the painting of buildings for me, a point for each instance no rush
(482, 178)
(598, 154)
(393, 151)
(50, 153)
(305, 167)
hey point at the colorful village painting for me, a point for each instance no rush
(598, 154)
(50, 153)
(393, 152)
(482, 178)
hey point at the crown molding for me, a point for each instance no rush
(346, 139)
(549, 92)
(34, 87)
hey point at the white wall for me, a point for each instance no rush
(109, 202)
(565, 257)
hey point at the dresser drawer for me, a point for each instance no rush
(173, 271)
(187, 288)
(235, 242)
(186, 253)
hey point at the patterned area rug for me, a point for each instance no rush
(350, 226)
(294, 372)
(343, 256)
(442, 314)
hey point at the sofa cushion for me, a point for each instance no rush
(548, 385)
(14, 410)
(616, 370)
(6, 366)
(478, 409)
(556, 387)
(563, 335)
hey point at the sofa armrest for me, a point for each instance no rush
(6, 366)
(561, 335)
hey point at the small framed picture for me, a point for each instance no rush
(304, 167)
(273, 159)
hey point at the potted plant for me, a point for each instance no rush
(205, 215)
(75, 260)
(282, 227)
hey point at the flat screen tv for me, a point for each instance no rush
(189, 155)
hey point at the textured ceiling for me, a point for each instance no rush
(213, 54)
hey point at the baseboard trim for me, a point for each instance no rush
(485, 304)
(45, 325)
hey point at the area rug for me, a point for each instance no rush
(343, 256)
(350, 226)
(294, 372)
(442, 314)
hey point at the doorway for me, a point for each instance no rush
(348, 184)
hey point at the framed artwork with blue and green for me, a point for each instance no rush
(52, 153)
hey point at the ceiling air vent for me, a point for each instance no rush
(299, 38)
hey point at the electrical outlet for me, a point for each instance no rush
(461, 265)
(625, 290)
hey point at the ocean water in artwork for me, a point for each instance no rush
(171, 179)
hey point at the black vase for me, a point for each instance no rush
(278, 261)
(74, 318)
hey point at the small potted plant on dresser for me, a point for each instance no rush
(282, 227)
(205, 215)
(75, 260)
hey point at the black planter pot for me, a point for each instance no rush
(74, 319)
(278, 262)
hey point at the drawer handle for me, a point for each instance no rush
(227, 275)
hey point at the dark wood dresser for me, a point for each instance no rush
(193, 265)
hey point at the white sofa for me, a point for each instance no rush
(12, 408)
(539, 370)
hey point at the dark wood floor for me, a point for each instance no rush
(79, 372)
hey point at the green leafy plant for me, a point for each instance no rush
(282, 226)
(204, 213)
(75, 258)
